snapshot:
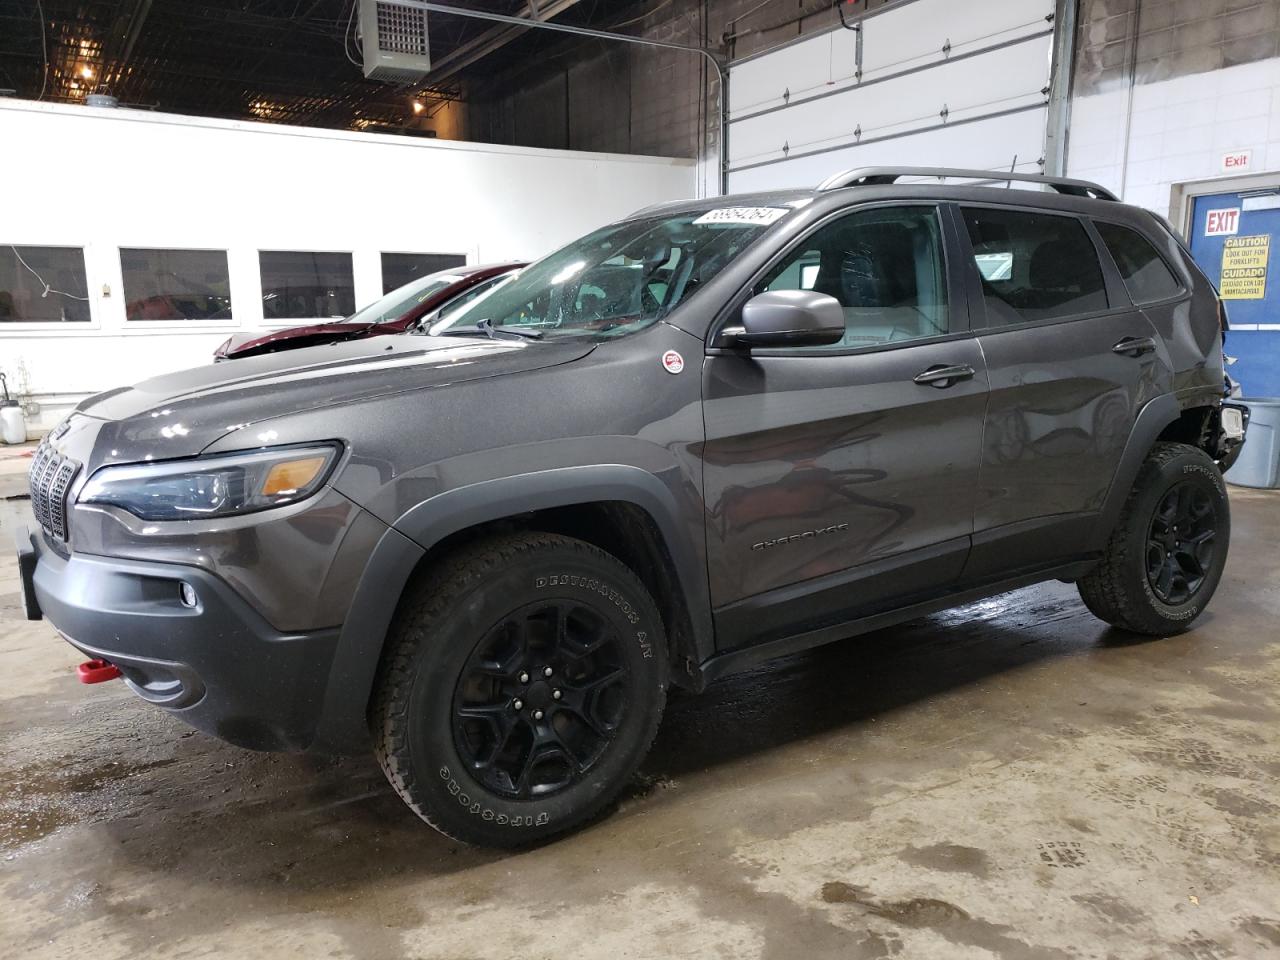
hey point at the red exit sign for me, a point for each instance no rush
(1221, 223)
(1237, 161)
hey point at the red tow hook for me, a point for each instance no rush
(97, 670)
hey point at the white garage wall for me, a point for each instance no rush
(1177, 131)
(799, 113)
(105, 179)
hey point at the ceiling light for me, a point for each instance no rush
(417, 106)
(86, 72)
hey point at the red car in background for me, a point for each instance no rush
(394, 312)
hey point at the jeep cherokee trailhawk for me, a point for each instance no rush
(711, 433)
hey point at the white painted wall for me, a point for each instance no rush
(805, 97)
(1177, 131)
(105, 179)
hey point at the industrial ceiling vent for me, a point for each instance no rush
(394, 39)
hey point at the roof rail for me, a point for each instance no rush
(869, 176)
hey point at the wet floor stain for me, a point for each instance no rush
(37, 799)
(916, 912)
(949, 857)
(943, 918)
(1112, 909)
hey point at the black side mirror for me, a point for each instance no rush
(788, 318)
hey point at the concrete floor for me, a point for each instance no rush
(1009, 779)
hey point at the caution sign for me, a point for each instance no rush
(1244, 268)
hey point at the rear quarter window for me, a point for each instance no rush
(1146, 275)
(1034, 266)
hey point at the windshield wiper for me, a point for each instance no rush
(492, 332)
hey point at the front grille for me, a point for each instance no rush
(51, 475)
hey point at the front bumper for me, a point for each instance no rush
(216, 664)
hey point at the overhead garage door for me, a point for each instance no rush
(933, 82)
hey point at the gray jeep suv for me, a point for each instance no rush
(712, 433)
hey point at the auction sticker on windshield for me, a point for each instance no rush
(757, 216)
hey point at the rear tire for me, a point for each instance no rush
(524, 682)
(1165, 557)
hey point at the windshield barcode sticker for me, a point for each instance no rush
(756, 216)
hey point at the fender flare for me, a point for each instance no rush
(343, 724)
(1151, 421)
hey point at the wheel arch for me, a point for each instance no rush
(1159, 417)
(626, 499)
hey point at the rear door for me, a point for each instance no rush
(1070, 361)
(837, 482)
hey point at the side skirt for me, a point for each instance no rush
(733, 661)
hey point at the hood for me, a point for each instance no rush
(252, 340)
(179, 414)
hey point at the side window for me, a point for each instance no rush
(1146, 275)
(1034, 266)
(884, 265)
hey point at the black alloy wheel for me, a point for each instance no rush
(1180, 545)
(1165, 555)
(523, 684)
(540, 699)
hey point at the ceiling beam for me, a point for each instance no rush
(122, 36)
(492, 39)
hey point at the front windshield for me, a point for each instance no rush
(622, 278)
(394, 305)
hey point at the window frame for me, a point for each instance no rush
(284, 323)
(382, 267)
(27, 327)
(1112, 283)
(1184, 289)
(952, 269)
(192, 324)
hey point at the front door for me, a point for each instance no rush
(1234, 238)
(1065, 391)
(840, 479)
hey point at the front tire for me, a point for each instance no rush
(1165, 557)
(524, 683)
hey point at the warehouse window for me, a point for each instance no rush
(1034, 266)
(175, 284)
(299, 285)
(1146, 275)
(43, 285)
(399, 268)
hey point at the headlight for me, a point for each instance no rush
(213, 486)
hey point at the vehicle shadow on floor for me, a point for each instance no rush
(324, 825)
(847, 684)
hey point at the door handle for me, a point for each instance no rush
(1134, 346)
(944, 376)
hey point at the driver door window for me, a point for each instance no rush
(886, 268)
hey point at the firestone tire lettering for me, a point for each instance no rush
(476, 809)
